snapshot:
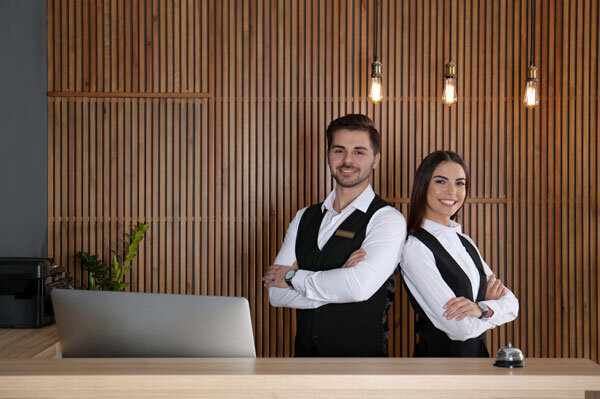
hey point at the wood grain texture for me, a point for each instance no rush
(298, 378)
(28, 343)
(206, 119)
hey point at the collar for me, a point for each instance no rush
(362, 202)
(437, 229)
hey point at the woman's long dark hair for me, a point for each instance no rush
(418, 198)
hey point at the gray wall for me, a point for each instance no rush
(23, 136)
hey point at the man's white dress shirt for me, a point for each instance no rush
(384, 240)
(431, 291)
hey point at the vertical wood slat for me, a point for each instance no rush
(220, 178)
(119, 45)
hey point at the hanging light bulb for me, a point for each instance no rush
(375, 92)
(532, 97)
(449, 95)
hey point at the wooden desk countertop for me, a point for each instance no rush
(29, 343)
(302, 377)
(27, 370)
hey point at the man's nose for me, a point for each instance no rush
(349, 158)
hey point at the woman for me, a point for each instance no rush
(452, 289)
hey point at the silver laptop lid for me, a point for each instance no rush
(128, 324)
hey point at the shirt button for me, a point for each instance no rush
(317, 310)
(315, 336)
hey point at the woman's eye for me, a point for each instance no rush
(460, 183)
(440, 181)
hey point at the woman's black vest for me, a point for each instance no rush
(345, 329)
(432, 341)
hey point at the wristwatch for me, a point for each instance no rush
(289, 276)
(484, 309)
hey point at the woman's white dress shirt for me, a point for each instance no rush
(431, 291)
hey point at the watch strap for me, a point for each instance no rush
(291, 275)
(484, 310)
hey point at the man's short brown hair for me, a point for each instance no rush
(355, 122)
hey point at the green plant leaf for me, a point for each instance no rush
(109, 277)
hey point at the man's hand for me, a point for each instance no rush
(495, 289)
(275, 275)
(460, 308)
(355, 257)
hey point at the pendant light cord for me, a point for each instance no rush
(532, 31)
(450, 27)
(531, 40)
(375, 48)
(380, 26)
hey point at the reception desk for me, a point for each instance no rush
(296, 378)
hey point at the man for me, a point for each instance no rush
(338, 258)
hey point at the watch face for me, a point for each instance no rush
(484, 309)
(290, 274)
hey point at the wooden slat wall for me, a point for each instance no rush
(205, 118)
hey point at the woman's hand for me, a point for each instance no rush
(354, 258)
(495, 289)
(461, 307)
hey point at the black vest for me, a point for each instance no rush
(345, 329)
(432, 341)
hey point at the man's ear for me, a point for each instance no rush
(376, 160)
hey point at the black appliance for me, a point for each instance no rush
(25, 285)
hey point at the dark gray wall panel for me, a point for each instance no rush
(23, 130)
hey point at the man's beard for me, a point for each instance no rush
(351, 183)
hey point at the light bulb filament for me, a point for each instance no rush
(531, 98)
(449, 95)
(375, 93)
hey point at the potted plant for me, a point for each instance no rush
(110, 277)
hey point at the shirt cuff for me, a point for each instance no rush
(492, 306)
(298, 281)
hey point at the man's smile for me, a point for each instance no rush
(348, 170)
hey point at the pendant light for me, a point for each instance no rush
(375, 92)
(531, 97)
(449, 95)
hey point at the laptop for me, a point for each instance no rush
(128, 324)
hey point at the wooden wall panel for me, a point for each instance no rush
(131, 47)
(205, 118)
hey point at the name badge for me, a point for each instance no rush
(344, 233)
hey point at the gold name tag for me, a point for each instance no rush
(344, 233)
